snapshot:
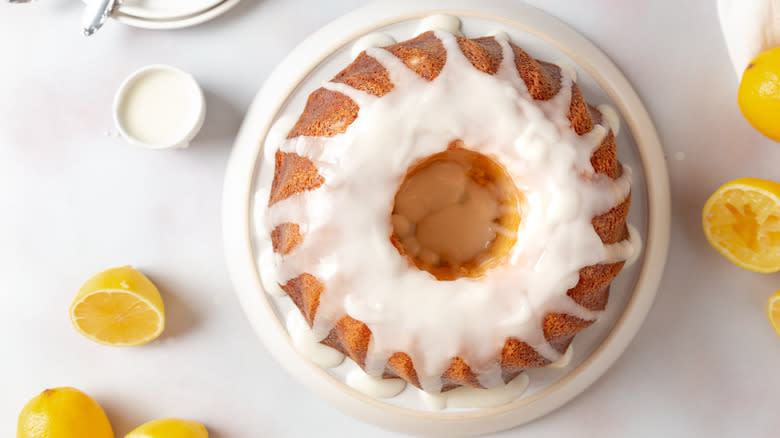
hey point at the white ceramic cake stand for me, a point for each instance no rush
(325, 53)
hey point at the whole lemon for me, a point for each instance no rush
(63, 413)
(169, 428)
(759, 93)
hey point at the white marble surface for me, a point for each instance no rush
(75, 199)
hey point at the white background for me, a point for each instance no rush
(75, 199)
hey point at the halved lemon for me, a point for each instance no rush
(169, 428)
(742, 221)
(119, 307)
(773, 311)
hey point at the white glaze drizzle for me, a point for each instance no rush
(501, 35)
(307, 345)
(569, 68)
(564, 361)
(276, 136)
(611, 116)
(345, 222)
(376, 387)
(267, 259)
(636, 241)
(375, 39)
(467, 397)
(443, 22)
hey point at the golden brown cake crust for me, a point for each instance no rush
(328, 113)
(285, 237)
(305, 291)
(293, 174)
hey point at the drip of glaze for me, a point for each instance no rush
(375, 39)
(375, 387)
(564, 361)
(347, 221)
(307, 345)
(276, 136)
(569, 68)
(501, 35)
(467, 397)
(443, 22)
(266, 258)
(636, 243)
(266, 261)
(611, 116)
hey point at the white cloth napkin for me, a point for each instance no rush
(749, 27)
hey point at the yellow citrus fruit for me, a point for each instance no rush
(742, 221)
(63, 413)
(118, 307)
(759, 93)
(773, 311)
(169, 428)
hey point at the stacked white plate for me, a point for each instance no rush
(170, 14)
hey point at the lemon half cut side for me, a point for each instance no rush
(119, 307)
(773, 311)
(742, 221)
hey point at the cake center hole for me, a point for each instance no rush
(456, 214)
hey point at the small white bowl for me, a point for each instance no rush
(159, 107)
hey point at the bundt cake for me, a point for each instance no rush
(448, 211)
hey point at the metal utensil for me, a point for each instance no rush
(96, 13)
